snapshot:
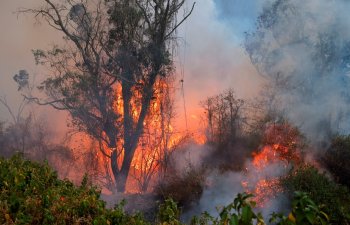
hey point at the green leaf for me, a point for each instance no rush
(234, 220)
(247, 214)
(310, 217)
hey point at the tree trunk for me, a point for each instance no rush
(121, 181)
(131, 135)
(122, 176)
(114, 164)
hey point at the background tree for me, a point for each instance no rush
(29, 135)
(224, 117)
(115, 51)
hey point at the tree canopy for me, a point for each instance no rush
(105, 74)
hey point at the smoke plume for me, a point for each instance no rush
(303, 49)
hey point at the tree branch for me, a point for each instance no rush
(51, 103)
(177, 25)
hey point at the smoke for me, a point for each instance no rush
(213, 59)
(302, 48)
(22, 35)
(222, 188)
(303, 51)
(191, 157)
(220, 191)
(240, 15)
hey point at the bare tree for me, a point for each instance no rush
(31, 137)
(115, 50)
(18, 132)
(224, 116)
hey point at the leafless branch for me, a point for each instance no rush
(179, 24)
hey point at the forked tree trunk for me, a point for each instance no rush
(121, 175)
(132, 131)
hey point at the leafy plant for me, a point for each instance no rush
(169, 213)
(304, 212)
(239, 212)
(31, 193)
(322, 191)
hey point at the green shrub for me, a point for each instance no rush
(239, 212)
(304, 212)
(31, 193)
(336, 159)
(118, 216)
(169, 213)
(334, 197)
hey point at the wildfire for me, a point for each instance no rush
(271, 154)
(267, 189)
(159, 139)
(281, 149)
(261, 180)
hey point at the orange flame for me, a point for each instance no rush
(159, 135)
(281, 146)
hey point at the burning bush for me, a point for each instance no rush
(281, 149)
(224, 119)
(286, 141)
(335, 198)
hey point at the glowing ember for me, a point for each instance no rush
(266, 189)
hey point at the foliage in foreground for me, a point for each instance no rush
(30, 193)
(334, 197)
(240, 212)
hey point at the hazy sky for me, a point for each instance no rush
(20, 34)
(213, 58)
